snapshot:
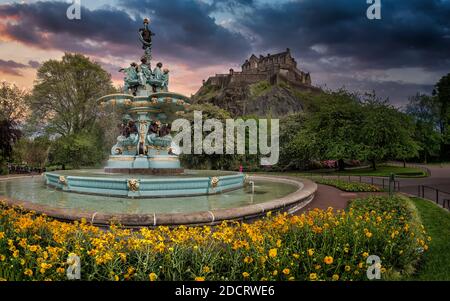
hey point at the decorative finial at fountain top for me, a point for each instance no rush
(145, 36)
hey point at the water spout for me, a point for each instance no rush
(253, 186)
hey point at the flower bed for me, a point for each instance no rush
(319, 245)
(348, 186)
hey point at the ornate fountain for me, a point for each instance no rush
(144, 147)
(145, 143)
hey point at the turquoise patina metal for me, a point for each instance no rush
(139, 187)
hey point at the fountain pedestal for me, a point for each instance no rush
(143, 152)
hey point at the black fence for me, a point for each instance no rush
(439, 196)
(377, 181)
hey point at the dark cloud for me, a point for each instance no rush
(11, 67)
(335, 37)
(410, 33)
(34, 64)
(332, 39)
(183, 30)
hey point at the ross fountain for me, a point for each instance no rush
(145, 145)
(143, 182)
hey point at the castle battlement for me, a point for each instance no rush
(272, 68)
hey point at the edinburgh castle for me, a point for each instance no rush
(267, 85)
(276, 68)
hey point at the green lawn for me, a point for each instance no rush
(382, 171)
(436, 263)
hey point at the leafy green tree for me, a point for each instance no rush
(77, 150)
(422, 108)
(386, 133)
(441, 93)
(13, 110)
(342, 126)
(292, 150)
(34, 152)
(204, 161)
(64, 96)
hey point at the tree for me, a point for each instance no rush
(12, 112)
(77, 150)
(441, 93)
(33, 152)
(343, 126)
(64, 96)
(204, 161)
(424, 111)
(386, 133)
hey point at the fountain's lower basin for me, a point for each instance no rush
(270, 194)
(190, 183)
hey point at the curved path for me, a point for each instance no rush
(328, 196)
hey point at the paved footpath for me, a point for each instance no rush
(439, 178)
(328, 196)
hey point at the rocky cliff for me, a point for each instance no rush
(261, 99)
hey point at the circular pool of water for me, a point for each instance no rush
(269, 194)
(34, 190)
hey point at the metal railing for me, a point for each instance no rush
(440, 197)
(377, 181)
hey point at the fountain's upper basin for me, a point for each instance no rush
(189, 183)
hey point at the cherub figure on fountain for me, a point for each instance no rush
(127, 141)
(131, 80)
(159, 136)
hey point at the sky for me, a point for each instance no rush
(405, 52)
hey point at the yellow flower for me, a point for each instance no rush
(365, 254)
(2, 235)
(248, 259)
(310, 252)
(152, 276)
(274, 273)
(16, 253)
(383, 270)
(291, 278)
(286, 271)
(2, 257)
(335, 277)
(273, 253)
(296, 256)
(313, 276)
(28, 272)
(245, 274)
(279, 243)
(116, 278)
(206, 269)
(199, 278)
(347, 268)
(368, 234)
(328, 260)
(33, 248)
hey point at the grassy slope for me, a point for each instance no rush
(436, 264)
